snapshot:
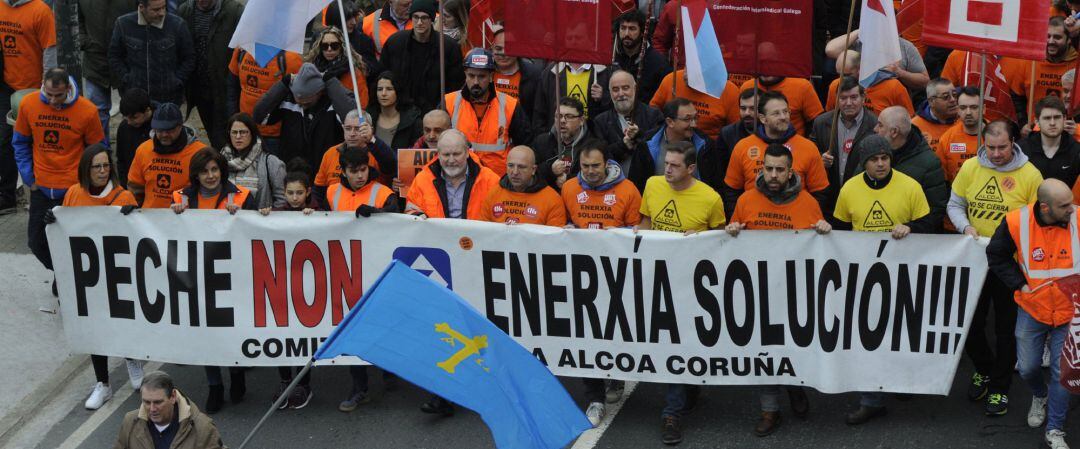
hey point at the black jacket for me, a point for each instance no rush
(546, 146)
(128, 140)
(310, 132)
(543, 112)
(410, 125)
(159, 61)
(530, 82)
(607, 127)
(1001, 255)
(656, 67)
(217, 57)
(730, 135)
(416, 67)
(819, 134)
(97, 18)
(1064, 166)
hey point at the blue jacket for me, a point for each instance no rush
(23, 146)
(710, 168)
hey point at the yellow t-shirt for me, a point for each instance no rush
(577, 87)
(880, 210)
(991, 194)
(698, 208)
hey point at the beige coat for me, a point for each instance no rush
(197, 431)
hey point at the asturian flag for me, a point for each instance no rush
(705, 68)
(880, 40)
(269, 26)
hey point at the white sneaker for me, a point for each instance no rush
(99, 396)
(595, 413)
(135, 372)
(1046, 356)
(1037, 413)
(1056, 439)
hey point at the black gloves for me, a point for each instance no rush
(50, 218)
(365, 211)
(127, 209)
(339, 67)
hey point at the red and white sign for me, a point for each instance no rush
(1003, 27)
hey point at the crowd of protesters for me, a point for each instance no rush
(626, 144)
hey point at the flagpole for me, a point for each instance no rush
(982, 104)
(281, 398)
(645, 36)
(1031, 93)
(352, 68)
(675, 49)
(843, 67)
(442, 56)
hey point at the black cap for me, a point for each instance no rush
(167, 116)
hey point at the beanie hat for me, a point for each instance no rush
(871, 146)
(307, 82)
(427, 6)
(167, 116)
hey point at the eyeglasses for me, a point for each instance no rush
(100, 167)
(945, 96)
(567, 116)
(330, 46)
(416, 18)
(239, 132)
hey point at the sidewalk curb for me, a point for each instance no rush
(30, 405)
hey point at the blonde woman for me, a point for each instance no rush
(327, 53)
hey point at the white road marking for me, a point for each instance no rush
(589, 439)
(91, 424)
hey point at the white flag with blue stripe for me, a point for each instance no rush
(705, 68)
(880, 40)
(270, 26)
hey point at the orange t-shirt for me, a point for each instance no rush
(59, 137)
(26, 32)
(256, 80)
(878, 97)
(954, 69)
(617, 207)
(505, 206)
(161, 174)
(508, 84)
(386, 28)
(1047, 77)
(931, 131)
(955, 147)
(78, 196)
(749, 156)
(330, 168)
(756, 211)
(802, 100)
(713, 113)
(361, 83)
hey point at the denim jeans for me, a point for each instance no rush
(213, 374)
(770, 396)
(102, 98)
(678, 399)
(35, 226)
(1030, 338)
(872, 399)
(359, 374)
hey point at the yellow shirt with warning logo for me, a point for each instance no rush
(880, 210)
(577, 87)
(697, 208)
(991, 194)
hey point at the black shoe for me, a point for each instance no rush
(7, 206)
(237, 386)
(997, 404)
(215, 399)
(770, 421)
(671, 432)
(55, 292)
(800, 404)
(977, 389)
(300, 397)
(864, 414)
(439, 406)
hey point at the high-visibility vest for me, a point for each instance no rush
(489, 135)
(373, 194)
(236, 198)
(1045, 253)
(380, 30)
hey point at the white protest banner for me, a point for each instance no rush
(840, 312)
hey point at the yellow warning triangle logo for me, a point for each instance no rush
(990, 191)
(669, 215)
(877, 217)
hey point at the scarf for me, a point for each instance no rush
(239, 164)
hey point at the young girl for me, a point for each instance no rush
(298, 185)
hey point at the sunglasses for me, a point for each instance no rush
(330, 45)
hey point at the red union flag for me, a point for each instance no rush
(484, 15)
(764, 37)
(560, 30)
(1014, 28)
(996, 95)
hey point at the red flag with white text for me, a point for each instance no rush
(1014, 28)
(996, 95)
(484, 15)
(560, 30)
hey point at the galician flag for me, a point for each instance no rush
(270, 26)
(705, 68)
(880, 41)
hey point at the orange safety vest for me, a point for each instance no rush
(1045, 253)
(380, 30)
(423, 196)
(236, 198)
(490, 135)
(343, 199)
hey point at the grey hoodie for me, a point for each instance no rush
(957, 207)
